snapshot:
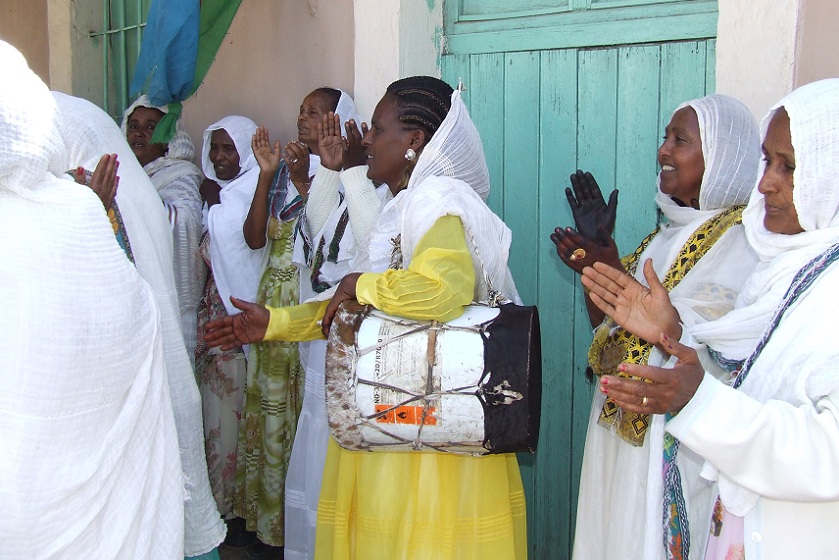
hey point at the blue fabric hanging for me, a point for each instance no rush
(166, 66)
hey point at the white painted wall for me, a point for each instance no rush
(817, 46)
(394, 39)
(274, 54)
(756, 50)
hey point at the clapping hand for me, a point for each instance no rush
(297, 159)
(593, 217)
(104, 181)
(645, 312)
(267, 156)
(658, 390)
(235, 330)
(330, 142)
(578, 251)
(355, 153)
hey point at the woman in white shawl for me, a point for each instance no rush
(333, 222)
(274, 391)
(88, 433)
(432, 237)
(770, 433)
(708, 165)
(88, 133)
(172, 171)
(235, 268)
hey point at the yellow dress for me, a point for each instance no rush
(424, 505)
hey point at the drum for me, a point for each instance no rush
(469, 386)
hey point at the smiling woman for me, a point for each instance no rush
(709, 160)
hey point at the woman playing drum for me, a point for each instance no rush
(432, 236)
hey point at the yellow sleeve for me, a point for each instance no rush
(438, 284)
(297, 323)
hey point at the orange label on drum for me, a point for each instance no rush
(406, 415)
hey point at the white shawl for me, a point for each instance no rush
(236, 267)
(89, 132)
(804, 368)
(316, 232)
(88, 433)
(731, 150)
(450, 178)
(813, 126)
(177, 181)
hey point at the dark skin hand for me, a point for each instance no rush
(252, 323)
(337, 152)
(666, 390)
(243, 328)
(593, 217)
(297, 159)
(645, 312)
(567, 241)
(345, 291)
(104, 181)
(268, 157)
(210, 190)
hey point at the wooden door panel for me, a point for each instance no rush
(543, 113)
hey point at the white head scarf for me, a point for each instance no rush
(731, 151)
(456, 151)
(31, 131)
(236, 267)
(180, 146)
(814, 126)
(89, 132)
(241, 131)
(347, 111)
(87, 432)
(730, 147)
(450, 178)
(792, 370)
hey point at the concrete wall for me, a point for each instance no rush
(274, 54)
(817, 47)
(394, 39)
(765, 48)
(23, 23)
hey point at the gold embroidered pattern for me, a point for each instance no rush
(612, 345)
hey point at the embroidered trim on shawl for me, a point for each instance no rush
(676, 537)
(613, 345)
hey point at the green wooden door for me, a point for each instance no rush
(586, 84)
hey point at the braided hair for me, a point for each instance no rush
(422, 102)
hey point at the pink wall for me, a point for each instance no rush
(274, 54)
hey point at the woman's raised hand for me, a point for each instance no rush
(645, 312)
(243, 328)
(659, 390)
(104, 181)
(267, 156)
(297, 159)
(593, 217)
(356, 153)
(578, 251)
(330, 142)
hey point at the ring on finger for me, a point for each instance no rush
(644, 400)
(578, 254)
(294, 160)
